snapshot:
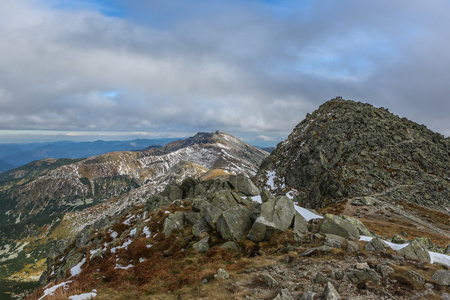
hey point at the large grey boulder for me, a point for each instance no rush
(200, 227)
(234, 223)
(172, 222)
(415, 250)
(340, 226)
(300, 224)
(224, 200)
(173, 192)
(202, 245)
(277, 215)
(210, 212)
(244, 185)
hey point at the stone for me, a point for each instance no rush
(398, 239)
(376, 244)
(191, 217)
(209, 212)
(172, 222)
(337, 225)
(447, 250)
(415, 250)
(384, 270)
(356, 276)
(234, 223)
(309, 295)
(223, 200)
(173, 192)
(243, 184)
(230, 246)
(330, 292)
(300, 225)
(335, 241)
(415, 276)
(361, 266)
(277, 215)
(352, 247)
(202, 245)
(284, 295)
(201, 226)
(445, 296)
(320, 278)
(269, 280)
(222, 274)
(442, 276)
(369, 201)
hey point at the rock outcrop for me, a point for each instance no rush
(351, 149)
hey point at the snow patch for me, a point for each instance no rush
(85, 296)
(50, 291)
(123, 268)
(435, 257)
(77, 269)
(114, 234)
(133, 232)
(307, 214)
(147, 232)
(257, 199)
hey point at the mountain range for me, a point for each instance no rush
(13, 155)
(353, 204)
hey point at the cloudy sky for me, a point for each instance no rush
(121, 69)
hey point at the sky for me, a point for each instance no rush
(124, 69)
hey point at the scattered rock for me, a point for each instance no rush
(352, 247)
(384, 270)
(376, 244)
(202, 245)
(415, 276)
(284, 295)
(398, 239)
(222, 274)
(269, 280)
(415, 250)
(330, 293)
(335, 241)
(230, 246)
(309, 295)
(442, 276)
(172, 222)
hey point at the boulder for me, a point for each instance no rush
(243, 184)
(202, 245)
(335, 241)
(300, 224)
(356, 276)
(200, 227)
(277, 215)
(352, 247)
(376, 244)
(230, 246)
(398, 239)
(384, 270)
(309, 295)
(223, 200)
(172, 222)
(330, 292)
(337, 225)
(173, 192)
(208, 211)
(234, 223)
(284, 295)
(415, 276)
(222, 274)
(415, 250)
(442, 276)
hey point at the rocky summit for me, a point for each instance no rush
(348, 149)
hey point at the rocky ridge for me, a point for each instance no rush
(349, 149)
(218, 233)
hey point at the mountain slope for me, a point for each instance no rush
(347, 149)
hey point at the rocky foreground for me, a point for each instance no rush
(217, 239)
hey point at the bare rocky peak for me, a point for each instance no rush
(346, 149)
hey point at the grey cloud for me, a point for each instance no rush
(236, 66)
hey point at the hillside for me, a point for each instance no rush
(349, 149)
(53, 199)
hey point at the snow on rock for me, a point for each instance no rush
(307, 214)
(114, 234)
(50, 291)
(439, 258)
(85, 296)
(77, 269)
(270, 177)
(435, 257)
(133, 232)
(257, 199)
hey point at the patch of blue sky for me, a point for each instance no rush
(107, 8)
(110, 94)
